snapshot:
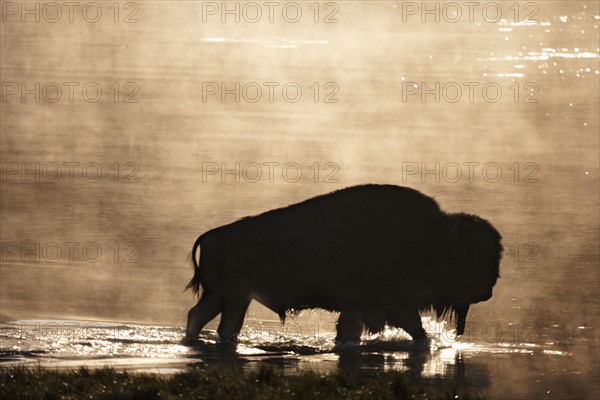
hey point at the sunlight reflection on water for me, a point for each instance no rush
(59, 343)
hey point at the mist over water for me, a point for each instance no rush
(105, 236)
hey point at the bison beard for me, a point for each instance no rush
(378, 254)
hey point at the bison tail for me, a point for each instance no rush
(194, 283)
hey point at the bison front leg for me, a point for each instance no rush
(232, 318)
(201, 314)
(410, 322)
(349, 328)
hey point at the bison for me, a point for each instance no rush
(378, 254)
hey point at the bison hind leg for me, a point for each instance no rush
(201, 314)
(232, 318)
(349, 327)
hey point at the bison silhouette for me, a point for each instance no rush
(378, 254)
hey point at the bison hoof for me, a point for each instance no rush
(228, 338)
(189, 341)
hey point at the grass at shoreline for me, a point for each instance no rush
(18, 382)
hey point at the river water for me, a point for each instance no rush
(127, 133)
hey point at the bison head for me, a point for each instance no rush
(470, 268)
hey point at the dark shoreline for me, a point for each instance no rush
(18, 382)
